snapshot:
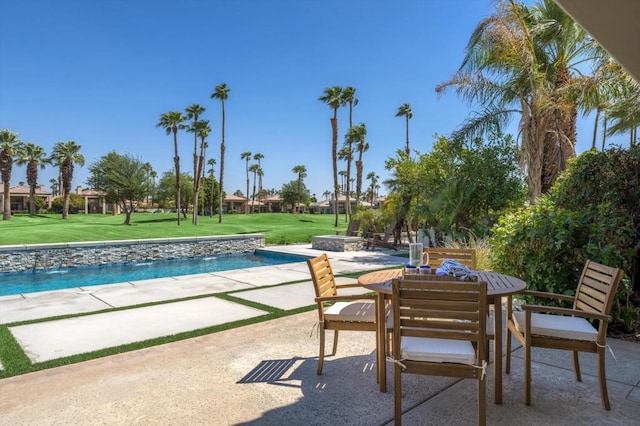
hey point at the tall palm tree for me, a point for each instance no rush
(222, 93)
(54, 187)
(348, 98)
(257, 157)
(374, 180)
(65, 154)
(524, 61)
(201, 130)
(301, 171)
(172, 121)
(255, 169)
(10, 146)
(333, 98)
(35, 158)
(246, 156)
(153, 175)
(404, 110)
(193, 112)
(212, 162)
(357, 135)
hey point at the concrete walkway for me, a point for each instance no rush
(263, 373)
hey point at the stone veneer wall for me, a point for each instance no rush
(69, 255)
(337, 243)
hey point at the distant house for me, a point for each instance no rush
(233, 203)
(94, 202)
(19, 196)
(272, 204)
(326, 206)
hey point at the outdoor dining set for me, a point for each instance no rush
(437, 316)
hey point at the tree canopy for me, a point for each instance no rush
(123, 178)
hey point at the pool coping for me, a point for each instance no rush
(84, 244)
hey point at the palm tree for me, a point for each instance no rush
(201, 130)
(193, 112)
(255, 168)
(10, 146)
(301, 171)
(374, 180)
(35, 158)
(404, 110)
(326, 194)
(172, 121)
(153, 175)
(357, 135)
(348, 98)
(519, 61)
(246, 156)
(64, 155)
(333, 98)
(212, 162)
(222, 93)
(257, 157)
(54, 187)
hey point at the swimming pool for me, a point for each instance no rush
(43, 280)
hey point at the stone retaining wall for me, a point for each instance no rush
(69, 255)
(337, 243)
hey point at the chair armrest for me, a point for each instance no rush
(354, 285)
(345, 297)
(547, 295)
(566, 311)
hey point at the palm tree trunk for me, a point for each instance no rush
(6, 212)
(176, 163)
(595, 128)
(334, 156)
(221, 166)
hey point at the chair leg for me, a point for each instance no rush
(527, 374)
(602, 379)
(321, 356)
(335, 342)
(576, 366)
(482, 401)
(507, 362)
(397, 394)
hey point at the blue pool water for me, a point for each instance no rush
(33, 281)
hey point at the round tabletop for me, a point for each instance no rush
(497, 284)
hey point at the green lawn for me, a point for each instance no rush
(278, 228)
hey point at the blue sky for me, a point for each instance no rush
(101, 73)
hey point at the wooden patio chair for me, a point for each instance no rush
(433, 256)
(439, 330)
(336, 312)
(569, 329)
(353, 229)
(382, 240)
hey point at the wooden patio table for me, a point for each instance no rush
(498, 285)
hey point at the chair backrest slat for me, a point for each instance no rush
(436, 255)
(440, 309)
(322, 275)
(597, 287)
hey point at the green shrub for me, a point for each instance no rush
(591, 213)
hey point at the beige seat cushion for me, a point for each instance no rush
(557, 326)
(359, 310)
(437, 350)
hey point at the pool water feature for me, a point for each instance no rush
(12, 283)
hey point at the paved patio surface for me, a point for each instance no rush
(264, 374)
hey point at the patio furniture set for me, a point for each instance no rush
(440, 325)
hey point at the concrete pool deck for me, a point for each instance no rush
(264, 373)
